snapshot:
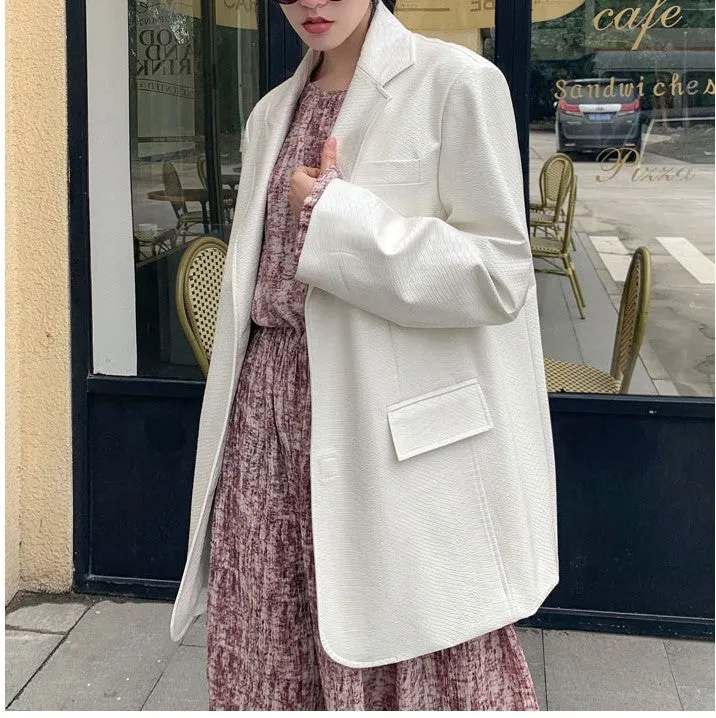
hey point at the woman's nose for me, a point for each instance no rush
(312, 4)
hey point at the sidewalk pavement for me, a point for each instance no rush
(75, 652)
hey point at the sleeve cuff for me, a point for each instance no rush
(309, 203)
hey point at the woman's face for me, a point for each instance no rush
(343, 16)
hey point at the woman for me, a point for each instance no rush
(364, 533)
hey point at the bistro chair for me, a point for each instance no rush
(631, 323)
(554, 247)
(554, 178)
(173, 188)
(197, 290)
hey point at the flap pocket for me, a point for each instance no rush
(438, 418)
(379, 172)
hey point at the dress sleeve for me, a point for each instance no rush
(322, 181)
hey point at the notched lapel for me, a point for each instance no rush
(387, 50)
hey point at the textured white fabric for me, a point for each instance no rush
(432, 471)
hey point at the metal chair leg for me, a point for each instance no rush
(575, 287)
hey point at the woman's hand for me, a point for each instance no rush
(303, 178)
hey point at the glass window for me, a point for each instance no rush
(470, 24)
(625, 93)
(171, 153)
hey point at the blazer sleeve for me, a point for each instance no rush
(474, 267)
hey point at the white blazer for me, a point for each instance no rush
(432, 472)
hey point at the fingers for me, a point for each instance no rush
(328, 153)
(329, 157)
(310, 171)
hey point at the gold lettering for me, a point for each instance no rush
(630, 18)
(561, 92)
(685, 170)
(709, 86)
(676, 87)
(609, 89)
(647, 24)
(626, 89)
(606, 154)
(645, 173)
(656, 84)
(674, 10)
(631, 23)
(598, 16)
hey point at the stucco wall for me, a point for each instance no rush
(38, 479)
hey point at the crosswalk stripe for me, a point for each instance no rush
(614, 254)
(691, 259)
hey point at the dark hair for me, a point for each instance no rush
(390, 4)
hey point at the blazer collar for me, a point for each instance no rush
(387, 50)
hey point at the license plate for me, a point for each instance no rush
(599, 116)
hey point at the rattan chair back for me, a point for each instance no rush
(633, 314)
(201, 169)
(568, 226)
(197, 289)
(551, 177)
(173, 187)
(557, 181)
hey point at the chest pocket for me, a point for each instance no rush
(388, 172)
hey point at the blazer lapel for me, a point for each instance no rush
(387, 50)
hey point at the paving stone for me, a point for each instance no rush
(48, 617)
(665, 387)
(602, 671)
(111, 660)
(531, 641)
(540, 684)
(692, 663)
(557, 330)
(24, 653)
(183, 685)
(196, 635)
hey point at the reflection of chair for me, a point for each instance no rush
(201, 169)
(197, 289)
(173, 188)
(229, 202)
(554, 179)
(147, 245)
(631, 323)
(554, 247)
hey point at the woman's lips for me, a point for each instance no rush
(317, 28)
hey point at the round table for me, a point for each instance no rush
(192, 194)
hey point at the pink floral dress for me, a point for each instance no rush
(264, 651)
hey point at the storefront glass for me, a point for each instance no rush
(470, 24)
(172, 154)
(626, 92)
